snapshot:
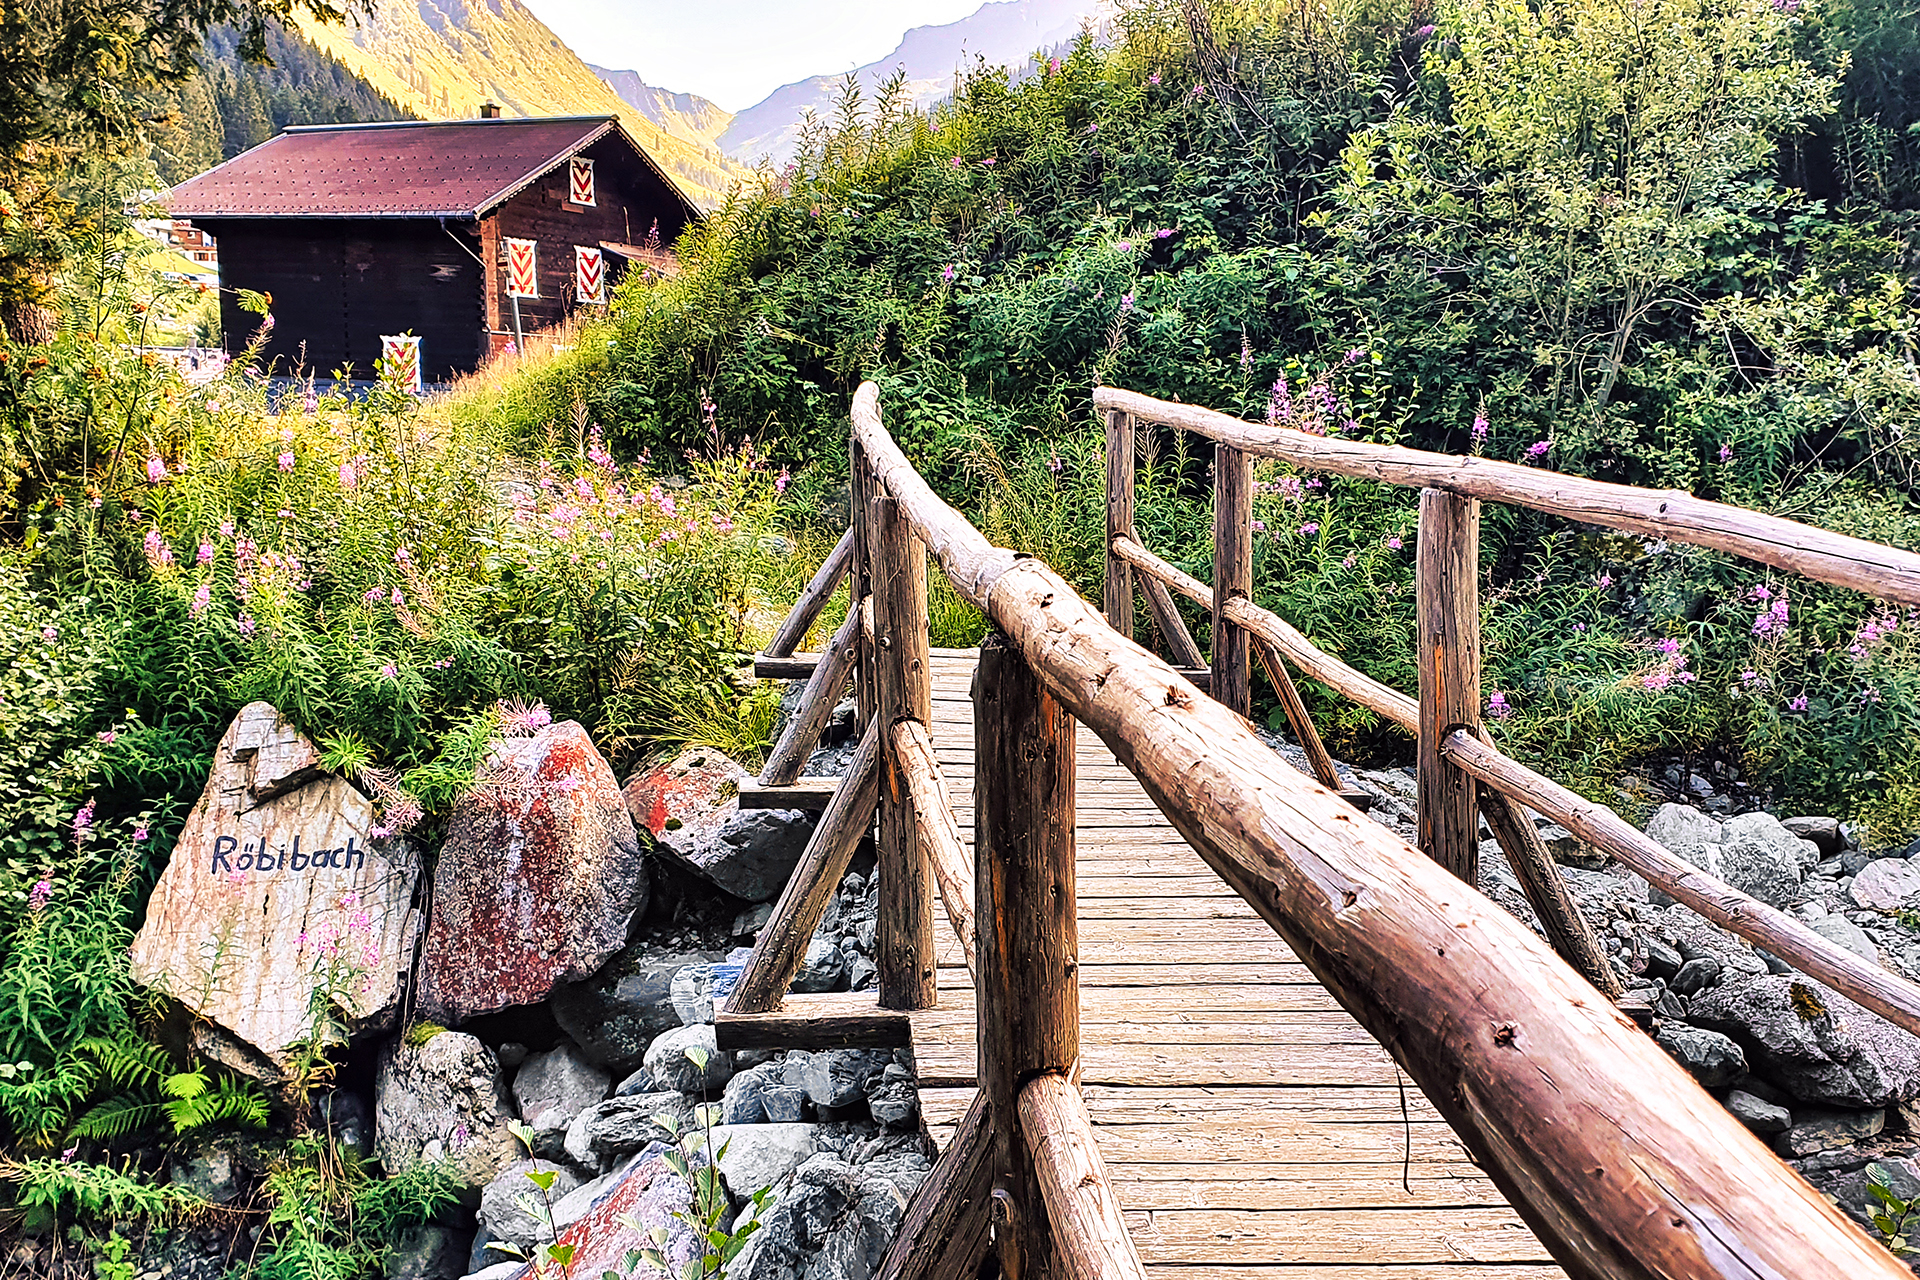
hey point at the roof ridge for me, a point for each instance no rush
(429, 124)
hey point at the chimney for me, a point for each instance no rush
(489, 111)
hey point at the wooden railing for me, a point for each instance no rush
(1623, 1166)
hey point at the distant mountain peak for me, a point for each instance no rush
(1004, 32)
(684, 115)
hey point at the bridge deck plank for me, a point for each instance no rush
(1253, 1131)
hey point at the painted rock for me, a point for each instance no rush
(688, 807)
(275, 892)
(540, 875)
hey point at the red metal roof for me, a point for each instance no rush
(408, 169)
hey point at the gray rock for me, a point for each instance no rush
(1757, 1113)
(426, 1253)
(837, 1077)
(614, 1015)
(549, 1134)
(622, 1126)
(1710, 1057)
(1816, 1131)
(688, 809)
(443, 1099)
(512, 1208)
(637, 1082)
(753, 1156)
(1813, 1042)
(349, 1119)
(1825, 833)
(822, 968)
(784, 1103)
(1769, 830)
(1663, 961)
(744, 1101)
(862, 974)
(671, 1067)
(1887, 884)
(1850, 1188)
(1569, 850)
(1762, 868)
(1674, 825)
(559, 1080)
(511, 1054)
(693, 994)
(895, 1104)
(209, 1173)
(832, 1222)
(1695, 976)
(573, 1206)
(1837, 929)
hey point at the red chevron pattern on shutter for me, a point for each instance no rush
(580, 181)
(523, 273)
(589, 274)
(402, 353)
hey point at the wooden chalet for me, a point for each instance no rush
(463, 233)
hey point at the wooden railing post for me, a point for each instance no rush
(1028, 991)
(905, 958)
(1447, 582)
(1232, 575)
(861, 489)
(1118, 595)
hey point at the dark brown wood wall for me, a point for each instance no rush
(337, 286)
(629, 200)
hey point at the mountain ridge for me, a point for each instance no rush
(440, 59)
(684, 115)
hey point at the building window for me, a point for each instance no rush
(580, 181)
(523, 268)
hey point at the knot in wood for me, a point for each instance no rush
(1505, 1034)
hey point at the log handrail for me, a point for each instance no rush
(1812, 552)
(1860, 980)
(1618, 1160)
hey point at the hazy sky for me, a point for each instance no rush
(736, 52)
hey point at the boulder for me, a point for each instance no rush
(1851, 1188)
(616, 1014)
(1757, 1113)
(836, 1077)
(512, 1208)
(1887, 884)
(276, 890)
(426, 1253)
(688, 807)
(647, 1197)
(1813, 1042)
(830, 1222)
(573, 1206)
(693, 994)
(744, 1101)
(538, 879)
(671, 1068)
(1710, 1057)
(1695, 976)
(1674, 825)
(1769, 830)
(622, 1126)
(755, 1156)
(443, 1098)
(347, 1117)
(559, 1083)
(1837, 929)
(1815, 1131)
(822, 968)
(1825, 833)
(209, 1173)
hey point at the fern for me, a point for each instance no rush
(152, 1090)
(116, 1117)
(230, 1099)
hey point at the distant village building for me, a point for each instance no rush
(463, 233)
(200, 262)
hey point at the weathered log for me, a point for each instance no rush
(801, 793)
(1296, 708)
(1447, 587)
(1622, 1165)
(800, 666)
(1675, 515)
(1232, 576)
(862, 488)
(1118, 589)
(1028, 991)
(904, 952)
(817, 701)
(1859, 980)
(800, 618)
(1546, 892)
(782, 943)
(822, 1020)
(1090, 1239)
(938, 830)
(951, 1206)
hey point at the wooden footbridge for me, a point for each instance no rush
(1195, 1010)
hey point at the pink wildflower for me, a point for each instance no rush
(201, 598)
(156, 469)
(349, 475)
(38, 896)
(1798, 704)
(286, 459)
(390, 671)
(1497, 706)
